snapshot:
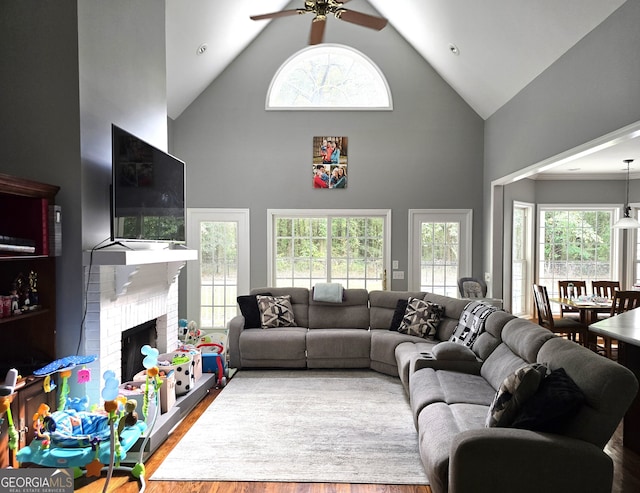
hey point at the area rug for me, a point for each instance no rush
(347, 426)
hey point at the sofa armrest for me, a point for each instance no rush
(235, 326)
(462, 366)
(508, 459)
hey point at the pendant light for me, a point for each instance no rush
(627, 222)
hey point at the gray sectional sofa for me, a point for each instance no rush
(451, 388)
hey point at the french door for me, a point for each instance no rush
(221, 272)
(439, 249)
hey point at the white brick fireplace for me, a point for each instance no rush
(126, 289)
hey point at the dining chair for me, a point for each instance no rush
(565, 326)
(579, 289)
(605, 289)
(623, 301)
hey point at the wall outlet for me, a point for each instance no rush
(487, 277)
(398, 274)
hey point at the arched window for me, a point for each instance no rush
(329, 77)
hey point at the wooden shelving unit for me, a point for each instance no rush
(27, 340)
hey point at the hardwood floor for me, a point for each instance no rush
(626, 473)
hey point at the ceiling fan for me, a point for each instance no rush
(321, 8)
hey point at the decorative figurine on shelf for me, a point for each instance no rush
(15, 299)
(21, 291)
(33, 289)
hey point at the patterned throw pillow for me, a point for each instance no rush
(421, 318)
(513, 393)
(275, 311)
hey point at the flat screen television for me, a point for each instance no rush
(147, 191)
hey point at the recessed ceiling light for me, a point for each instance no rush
(454, 49)
(202, 48)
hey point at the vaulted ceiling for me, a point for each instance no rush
(503, 44)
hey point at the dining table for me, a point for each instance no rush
(588, 308)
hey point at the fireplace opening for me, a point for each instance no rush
(132, 341)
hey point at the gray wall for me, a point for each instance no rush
(70, 69)
(426, 153)
(590, 91)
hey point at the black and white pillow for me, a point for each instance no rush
(513, 393)
(275, 311)
(421, 318)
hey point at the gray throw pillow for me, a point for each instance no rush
(513, 393)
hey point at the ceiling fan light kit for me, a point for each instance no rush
(321, 8)
(627, 222)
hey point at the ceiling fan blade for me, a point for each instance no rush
(317, 30)
(273, 15)
(361, 19)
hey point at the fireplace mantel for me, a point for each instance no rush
(123, 256)
(128, 262)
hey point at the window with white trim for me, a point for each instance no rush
(521, 258)
(577, 243)
(347, 246)
(329, 77)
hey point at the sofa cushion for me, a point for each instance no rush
(338, 348)
(438, 425)
(299, 301)
(447, 350)
(428, 386)
(557, 399)
(421, 318)
(516, 389)
(276, 311)
(273, 347)
(486, 342)
(351, 313)
(521, 341)
(250, 311)
(453, 308)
